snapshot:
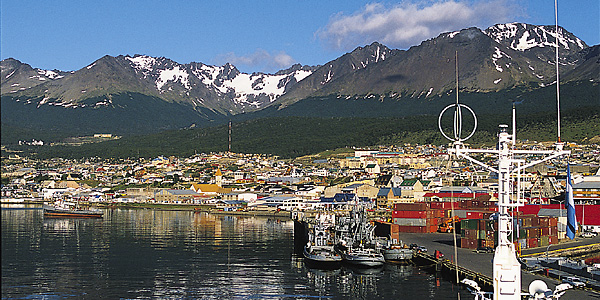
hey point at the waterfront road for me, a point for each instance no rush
(482, 262)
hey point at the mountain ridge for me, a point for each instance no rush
(502, 58)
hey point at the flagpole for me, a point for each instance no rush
(570, 204)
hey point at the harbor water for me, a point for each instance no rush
(143, 254)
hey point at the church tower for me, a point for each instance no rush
(219, 178)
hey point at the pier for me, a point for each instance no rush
(478, 266)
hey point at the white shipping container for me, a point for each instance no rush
(410, 222)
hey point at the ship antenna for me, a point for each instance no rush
(557, 80)
(514, 126)
(457, 112)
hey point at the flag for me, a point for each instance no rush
(570, 204)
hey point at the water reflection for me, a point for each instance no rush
(178, 254)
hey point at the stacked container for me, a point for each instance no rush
(417, 217)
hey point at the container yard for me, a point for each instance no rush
(475, 220)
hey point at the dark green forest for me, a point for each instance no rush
(292, 137)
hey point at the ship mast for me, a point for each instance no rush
(506, 267)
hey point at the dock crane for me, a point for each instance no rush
(448, 225)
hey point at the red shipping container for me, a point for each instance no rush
(532, 243)
(450, 205)
(474, 215)
(411, 206)
(468, 243)
(435, 205)
(413, 229)
(437, 213)
(410, 214)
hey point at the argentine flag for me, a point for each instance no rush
(570, 204)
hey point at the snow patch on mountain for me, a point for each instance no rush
(175, 74)
(142, 62)
(49, 74)
(498, 54)
(521, 37)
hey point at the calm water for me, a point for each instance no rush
(142, 254)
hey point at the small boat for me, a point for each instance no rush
(397, 253)
(62, 209)
(363, 257)
(321, 257)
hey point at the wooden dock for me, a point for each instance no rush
(448, 270)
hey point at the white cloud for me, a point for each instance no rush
(259, 60)
(409, 23)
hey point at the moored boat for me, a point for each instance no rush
(64, 210)
(321, 257)
(397, 254)
(363, 257)
(319, 252)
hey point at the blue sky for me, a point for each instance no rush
(257, 35)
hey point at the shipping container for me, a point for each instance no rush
(410, 214)
(532, 232)
(413, 229)
(474, 215)
(468, 243)
(471, 234)
(433, 228)
(411, 206)
(461, 213)
(532, 243)
(410, 222)
(469, 224)
(444, 205)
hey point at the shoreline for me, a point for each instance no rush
(169, 207)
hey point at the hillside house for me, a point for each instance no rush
(386, 197)
(361, 190)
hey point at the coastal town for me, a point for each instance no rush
(414, 192)
(383, 178)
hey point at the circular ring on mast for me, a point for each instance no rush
(457, 122)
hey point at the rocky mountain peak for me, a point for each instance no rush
(522, 37)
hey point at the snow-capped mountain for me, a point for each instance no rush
(220, 88)
(156, 93)
(16, 76)
(226, 83)
(500, 57)
(523, 37)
